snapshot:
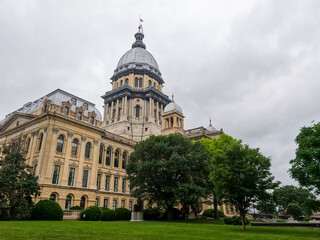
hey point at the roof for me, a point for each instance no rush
(172, 106)
(56, 97)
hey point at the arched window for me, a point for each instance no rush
(87, 150)
(100, 154)
(40, 141)
(116, 158)
(74, 101)
(136, 82)
(140, 82)
(137, 111)
(149, 83)
(108, 156)
(60, 143)
(68, 202)
(53, 197)
(127, 81)
(121, 82)
(83, 202)
(124, 160)
(28, 144)
(74, 148)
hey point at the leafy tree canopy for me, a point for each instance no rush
(168, 170)
(17, 183)
(306, 166)
(240, 174)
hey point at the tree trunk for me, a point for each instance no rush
(170, 214)
(215, 205)
(243, 217)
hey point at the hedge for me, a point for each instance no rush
(151, 214)
(123, 214)
(235, 220)
(109, 215)
(210, 213)
(92, 213)
(46, 210)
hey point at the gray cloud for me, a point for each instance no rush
(251, 66)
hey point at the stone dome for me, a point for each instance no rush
(210, 127)
(138, 55)
(172, 106)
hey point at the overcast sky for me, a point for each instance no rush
(251, 66)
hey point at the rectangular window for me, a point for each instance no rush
(85, 178)
(80, 116)
(71, 177)
(91, 120)
(123, 203)
(107, 183)
(114, 206)
(116, 184)
(97, 202)
(130, 205)
(105, 203)
(55, 178)
(35, 169)
(98, 181)
(66, 111)
(123, 185)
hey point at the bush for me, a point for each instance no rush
(176, 214)
(109, 215)
(76, 208)
(151, 214)
(281, 221)
(235, 220)
(92, 213)
(46, 210)
(294, 210)
(210, 213)
(123, 214)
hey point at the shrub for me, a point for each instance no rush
(281, 221)
(92, 213)
(294, 210)
(235, 220)
(109, 215)
(46, 210)
(210, 213)
(151, 214)
(75, 208)
(176, 214)
(123, 214)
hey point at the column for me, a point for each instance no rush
(41, 169)
(111, 111)
(65, 175)
(117, 110)
(103, 182)
(33, 146)
(125, 107)
(157, 112)
(94, 168)
(150, 107)
(122, 106)
(78, 183)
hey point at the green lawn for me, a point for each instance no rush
(146, 230)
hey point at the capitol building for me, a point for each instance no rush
(80, 154)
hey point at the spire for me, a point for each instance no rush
(210, 125)
(172, 98)
(139, 36)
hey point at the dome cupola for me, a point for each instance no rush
(172, 106)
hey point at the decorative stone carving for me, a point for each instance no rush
(70, 134)
(58, 162)
(55, 130)
(35, 161)
(83, 138)
(73, 164)
(87, 167)
(95, 141)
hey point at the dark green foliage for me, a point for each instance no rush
(75, 208)
(285, 195)
(47, 210)
(176, 214)
(235, 220)
(210, 213)
(168, 170)
(294, 210)
(151, 214)
(240, 175)
(123, 214)
(109, 215)
(92, 213)
(305, 167)
(17, 184)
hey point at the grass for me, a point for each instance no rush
(146, 230)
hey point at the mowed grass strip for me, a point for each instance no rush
(146, 230)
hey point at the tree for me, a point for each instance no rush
(17, 183)
(306, 166)
(240, 174)
(294, 210)
(168, 170)
(285, 195)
